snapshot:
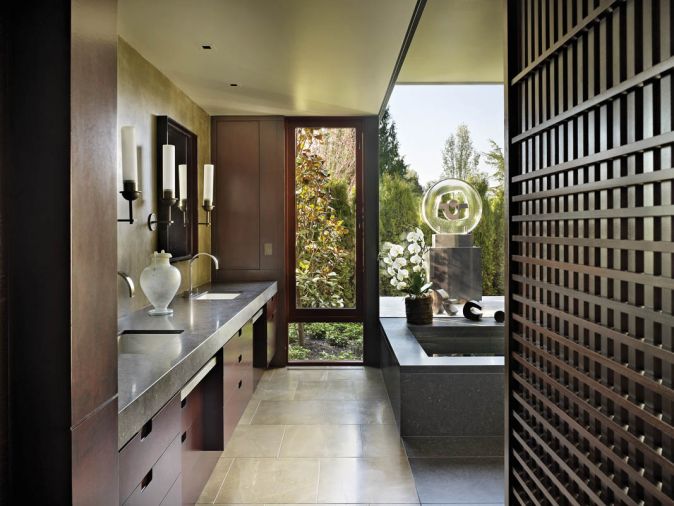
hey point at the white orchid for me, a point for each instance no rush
(404, 264)
(402, 274)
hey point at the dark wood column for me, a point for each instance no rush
(591, 331)
(59, 191)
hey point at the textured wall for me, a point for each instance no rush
(143, 93)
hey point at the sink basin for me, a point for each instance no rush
(217, 296)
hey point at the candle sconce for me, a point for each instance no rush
(183, 208)
(207, 206)
(129, 193)
(164, 214)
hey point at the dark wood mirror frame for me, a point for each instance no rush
(178, 239)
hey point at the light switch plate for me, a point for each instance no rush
(268, 249)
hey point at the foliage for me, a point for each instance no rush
(390, 160)
(326, 341)
(298, 353)
(322, 269)
(460, 160)
(404, 265)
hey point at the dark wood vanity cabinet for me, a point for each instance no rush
(149, 463)
(238, 378)
(264, 336)
(170, 460)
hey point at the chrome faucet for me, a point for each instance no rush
(129, 282)
(190, 292)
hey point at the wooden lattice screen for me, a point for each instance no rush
(591, 217)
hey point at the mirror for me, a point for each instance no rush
(181, 237)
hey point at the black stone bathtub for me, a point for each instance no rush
(446, 380)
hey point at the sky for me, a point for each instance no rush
(425, 115)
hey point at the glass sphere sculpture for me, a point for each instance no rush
(451, 206)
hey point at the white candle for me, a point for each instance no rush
(182, 181)
(169, 169)
(129, 158)
(208, 182)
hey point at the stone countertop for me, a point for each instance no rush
(412, 357)
(152, 368)
(394, 307)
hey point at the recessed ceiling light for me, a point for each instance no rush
(206, 46)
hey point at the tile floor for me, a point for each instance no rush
(328, 436)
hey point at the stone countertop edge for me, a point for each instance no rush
(147, 403)
(412, 358)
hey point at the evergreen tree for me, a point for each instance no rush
(459, 158)
(390, 160)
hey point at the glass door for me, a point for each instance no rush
(325, 257)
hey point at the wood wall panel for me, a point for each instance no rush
(237, 194)
(591, 334)
(265, 209)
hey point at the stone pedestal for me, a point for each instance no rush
(455, 265)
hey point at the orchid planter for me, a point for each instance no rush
(419, 310)
(404, 265)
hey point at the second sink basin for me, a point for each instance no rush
(217, 296)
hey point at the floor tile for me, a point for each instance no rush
(255, 441)
(459, 480)
(270, 481)
(214, 483)
(250, 410)
(301, 374)
(381, 441)
(276, 390)
(321, 441)
(340, 390)
(355, 373)
(422, 447)
(361, 480)
(323, 412)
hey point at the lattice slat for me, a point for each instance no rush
(591, 251)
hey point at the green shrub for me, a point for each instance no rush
(298, 353)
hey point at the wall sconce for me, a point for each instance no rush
(182, 193)
(208, 205)
(168, 199)
(129, 170)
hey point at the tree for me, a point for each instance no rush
(460, 160)
(390, 160)
(320, 255)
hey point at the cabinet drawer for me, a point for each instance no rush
(197, 464)
(175, 495)
(158, 480)
(145, 448)
(192, 407)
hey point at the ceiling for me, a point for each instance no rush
(288, 57)
(457, 41)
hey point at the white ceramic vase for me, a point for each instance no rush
(160, 282)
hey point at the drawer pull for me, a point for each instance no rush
(183, 437)
(183, 403)
(240, 383)
(240, 331)
(240, 358)
(146, 430)
(146, 481)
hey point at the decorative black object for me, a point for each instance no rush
(499, 316)
(130, 193)
(472, 310)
